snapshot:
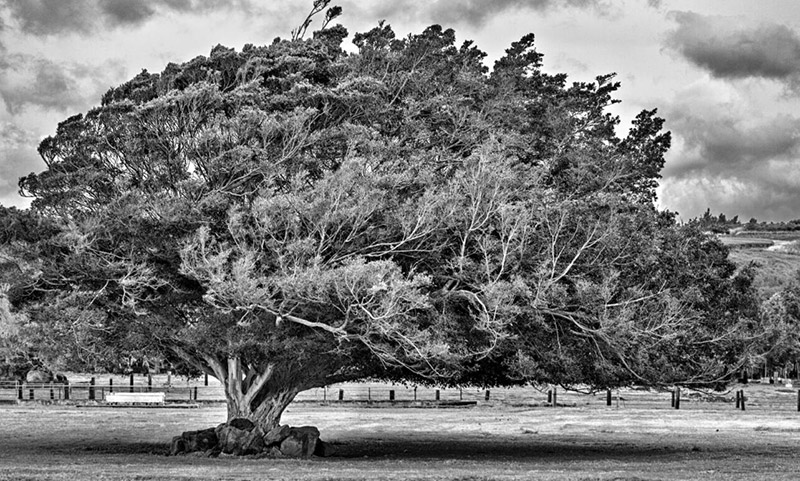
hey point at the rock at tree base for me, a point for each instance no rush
(192, 441)
(177, 446)
(242, 423)
(276, 435)
(231, 440)
(301, 443)
(200, 440)
(292, 447)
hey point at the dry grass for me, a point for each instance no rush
(746, 242)
(775, 268)
(642, 439)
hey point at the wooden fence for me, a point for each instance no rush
(773, 398)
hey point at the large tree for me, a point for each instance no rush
(291, 216)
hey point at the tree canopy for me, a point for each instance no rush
(293, 215)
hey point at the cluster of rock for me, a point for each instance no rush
(240, 437)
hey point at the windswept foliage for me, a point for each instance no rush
(290, 216)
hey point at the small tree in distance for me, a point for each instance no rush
(291, 216)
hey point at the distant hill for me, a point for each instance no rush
(777, 256)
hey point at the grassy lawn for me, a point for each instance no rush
(642, 439)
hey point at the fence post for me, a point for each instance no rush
(205, 380)
(30, 393)
(324, 393)
(798, 400)
(672, 402)
(743, 408)
(391, 395)
(91, 389)
(437, 397)
(460, 394)
(415, 393)
(52, 393)
(131, 382)
(677, 398)
(486, 397)
(550, 396)
(66, 390)
(738, 399)
(195, 393)
(19, 390)
(555, 394)
(341, 394)
(608, 397)
(150, 383)
(110, 385)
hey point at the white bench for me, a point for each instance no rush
(135, 397)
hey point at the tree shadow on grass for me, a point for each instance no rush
(429, 448)
(158, 449)
(506, 449)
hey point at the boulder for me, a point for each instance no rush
(301, 442)
(202, 440)
(177, 446)
(232, 440)
(277, 434)
(306, 430)
(292, 447)
(242, 423)
(243, 438)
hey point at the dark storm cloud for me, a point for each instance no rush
(732, 164)
(27, 81)
(472, 12)
(127, 12)
(476, 12)
(52, 17)
(43, 17)
(729, 51)
(717, 144)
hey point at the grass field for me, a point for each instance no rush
(514, 436)
(774, 269)
(776, 254)
(736, 242)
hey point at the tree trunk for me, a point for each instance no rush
(260, 397)
(266, 414)
(257, 395)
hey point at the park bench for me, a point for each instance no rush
(135, 397)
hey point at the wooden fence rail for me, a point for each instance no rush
(371, 393)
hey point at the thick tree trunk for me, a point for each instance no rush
(266, 414)
(259, 397)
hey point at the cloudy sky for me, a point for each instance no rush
(724, 73)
